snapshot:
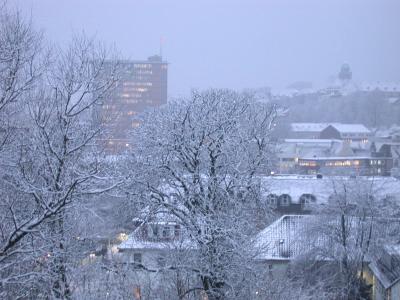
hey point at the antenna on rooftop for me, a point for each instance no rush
(162, 40)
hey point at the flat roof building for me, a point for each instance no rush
(142, 85)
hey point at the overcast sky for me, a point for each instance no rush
(238, 44)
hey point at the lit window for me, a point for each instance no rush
(122, 237)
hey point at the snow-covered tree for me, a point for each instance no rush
(344, 237)
(50, 162)
(200, 159)
(21, 65)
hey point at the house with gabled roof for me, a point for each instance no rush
(348, 132)
(309, 236)
(384, 272)
(306, 130)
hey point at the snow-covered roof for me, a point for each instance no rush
(292, 236)
(284, 239)
(393, 100)
(350, 128)
(312, 141)
(322, 189)
(381, 86)
(388, 132)
(288, 92)
(135, 243)
(338, 157)
(318, 127)
(321, 148)
(308, 127)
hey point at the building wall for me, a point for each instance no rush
(346, 166)
(277, 268)
(143, 85)
(286, 165)
(332, 133)
(150, 257)
(378, 290)
(304, 134)
(395, 291)
(152, 285)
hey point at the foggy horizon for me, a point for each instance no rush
(200, 150)
(231, 44)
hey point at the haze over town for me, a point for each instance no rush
(210, 150)
(232, 44)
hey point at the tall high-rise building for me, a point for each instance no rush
(142, 84)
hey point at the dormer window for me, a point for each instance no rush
(166, 232)
(306, 199)
(272, 199)
(285, 200)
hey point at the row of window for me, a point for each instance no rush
(308, 164)
(286, 199)
(342, 163)
(138, 260)
(131, 95)
(359, 134)
(376, 162)
(145, 72)
(134, 83)
(135, 89)
(142, 66)
(155, 230)
(339, 163)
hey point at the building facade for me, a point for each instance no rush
(338, 131)
(335, 157)
(142, 85)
